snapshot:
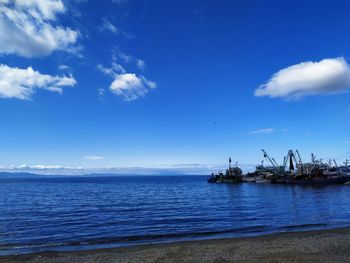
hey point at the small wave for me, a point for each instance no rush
(304, 226)
(143, 239)
(131, 239)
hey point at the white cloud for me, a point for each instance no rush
(37, 167)
(308, 78)
(262, 131)
(93, 157)
(131, 87)
(107, 26)
(347, 142)
(27, 28)
(44, 169)
(22, 83)
(112, 71)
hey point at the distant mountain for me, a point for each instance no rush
(23, 175)
(7, 175)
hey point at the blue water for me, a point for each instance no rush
(82, 213)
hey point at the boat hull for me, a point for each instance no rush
(306, 181)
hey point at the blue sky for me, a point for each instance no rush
(159, 83)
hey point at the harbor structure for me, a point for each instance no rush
(292, 171)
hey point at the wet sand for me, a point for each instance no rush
(312, 246)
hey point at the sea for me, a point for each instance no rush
(85, 212)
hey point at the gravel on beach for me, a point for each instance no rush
(312, 246)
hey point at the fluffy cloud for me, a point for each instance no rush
(263, 131)
(131, 87)
(26, 28)
(308, 78)
(22, 83)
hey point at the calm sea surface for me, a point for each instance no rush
(75, 213)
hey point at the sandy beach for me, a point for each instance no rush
(312, 246)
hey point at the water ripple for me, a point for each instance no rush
(77, 213)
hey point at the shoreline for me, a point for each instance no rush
(331, 245)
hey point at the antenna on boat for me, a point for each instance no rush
(229, 162)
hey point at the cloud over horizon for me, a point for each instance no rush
(22, 83)
(331, 75)
(29, 28)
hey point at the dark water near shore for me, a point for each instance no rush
(82, 213)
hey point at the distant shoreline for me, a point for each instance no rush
(331, 245)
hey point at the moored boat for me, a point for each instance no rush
(314, 173)
(232, 175)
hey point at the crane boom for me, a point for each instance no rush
(285, 162)
(293, 155)
(268, 157)
(335, 162)
(273, 159)
(300, 161)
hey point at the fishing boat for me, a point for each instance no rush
(314, 173)
(265, 174)
(231, 175)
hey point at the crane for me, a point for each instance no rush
(313, 158)
(335, 162)
(273, 159)
(285, 159)
(300, 161)
(290, 156)
(268, 157)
